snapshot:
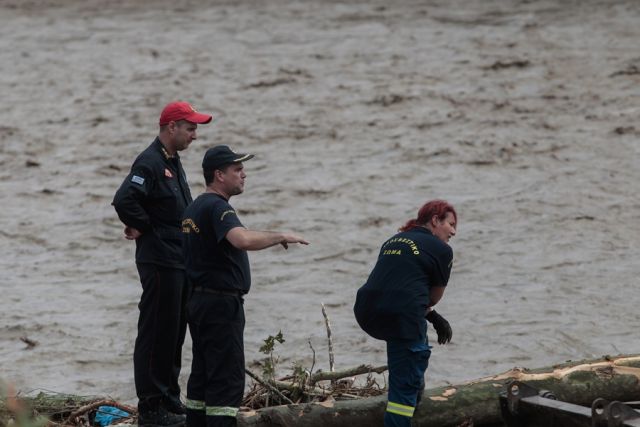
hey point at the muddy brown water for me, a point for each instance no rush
(524, 114)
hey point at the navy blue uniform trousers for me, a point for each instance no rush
(216, 385)
(162, 326)
(407, 361)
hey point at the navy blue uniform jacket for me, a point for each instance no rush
(152, 199)
(212, 262)
(393, 302)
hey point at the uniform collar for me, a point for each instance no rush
(422, 229)
(217, 195)
(164, 151)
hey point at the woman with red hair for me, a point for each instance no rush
(408, 279)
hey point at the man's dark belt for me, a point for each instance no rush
(218, 291)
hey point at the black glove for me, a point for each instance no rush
(441, 326)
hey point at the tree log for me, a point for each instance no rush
(612, 378)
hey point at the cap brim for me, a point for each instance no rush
(199, 118)
(243, 158)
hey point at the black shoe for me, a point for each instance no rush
(173, 404)
(160, 417)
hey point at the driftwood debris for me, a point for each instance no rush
(270, 387)
(55, 409)
(336, 375)
(317, 387)
(472, 403)
(306, 386)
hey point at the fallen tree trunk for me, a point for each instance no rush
(476, 402)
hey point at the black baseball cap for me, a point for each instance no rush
(222, 155)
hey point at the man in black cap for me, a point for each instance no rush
(151, 202)
(215, 249)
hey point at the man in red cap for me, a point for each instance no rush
(151, 202)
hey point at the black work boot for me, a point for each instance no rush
(151, 413)
(173, 404)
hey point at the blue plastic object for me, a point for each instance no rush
(106, 415)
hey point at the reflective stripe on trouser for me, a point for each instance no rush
(398, 409)
(196, 405)
(211, 411)
(407, 361)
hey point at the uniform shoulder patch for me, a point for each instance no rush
(230, 211)
(137, 179)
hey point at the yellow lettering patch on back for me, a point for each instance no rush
(392, 252)
(411, 243)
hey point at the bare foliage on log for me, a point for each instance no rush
(305, 386)
(338, 385)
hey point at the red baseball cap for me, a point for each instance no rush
(179, 110)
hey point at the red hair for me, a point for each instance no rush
(439, 208)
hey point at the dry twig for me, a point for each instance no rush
(336, 375)
(330, 341)
(269, 386)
